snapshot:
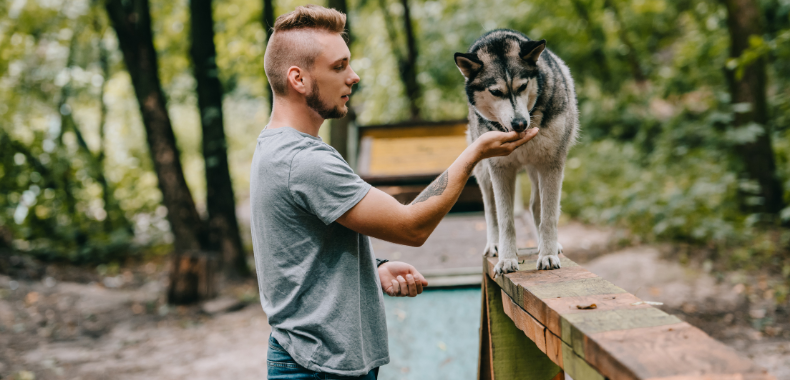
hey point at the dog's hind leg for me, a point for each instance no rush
(503, 181)
(483, 176)
(550, 190)
(534, 197)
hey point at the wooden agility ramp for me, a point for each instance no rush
(540, 324)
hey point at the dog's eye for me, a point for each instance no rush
(522, 88)
(496, 92)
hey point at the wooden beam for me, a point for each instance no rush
(619, 338)
(513, 355)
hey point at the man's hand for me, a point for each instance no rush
(493, 144)
(399, 279)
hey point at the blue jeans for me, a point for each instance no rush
(283, 367)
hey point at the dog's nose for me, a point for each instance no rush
(519, 124)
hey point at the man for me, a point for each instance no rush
(311, 215)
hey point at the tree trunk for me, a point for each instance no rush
(132, 23)
(633, 58)
(338, 130)
(220, 201)
(268, 24)
(408, 66)
(597, 39)
(193, 277)
(743, 21)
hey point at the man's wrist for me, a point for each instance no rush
(380, 261)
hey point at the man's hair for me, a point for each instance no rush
(293, 44)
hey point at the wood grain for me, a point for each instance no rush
(669, 351)
(484, 369)
(513, 354)
(532, 328)
(617, 339)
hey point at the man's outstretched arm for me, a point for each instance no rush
(379, 215)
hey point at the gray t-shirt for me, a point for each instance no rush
(317, 279)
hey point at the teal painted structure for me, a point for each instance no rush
(434, 335)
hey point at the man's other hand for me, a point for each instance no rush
(399, 279)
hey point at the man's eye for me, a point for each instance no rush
(522, 88)
(496, 92)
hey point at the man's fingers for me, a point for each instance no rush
(412, 285)
(511, 136)
(420, 281)
(528, 135)
(404, 288)
(394, 289)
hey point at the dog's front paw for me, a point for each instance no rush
(505, 266)
(490, 250)
(548, 262)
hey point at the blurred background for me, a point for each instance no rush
(127, 129)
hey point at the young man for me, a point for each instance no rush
(311, 215)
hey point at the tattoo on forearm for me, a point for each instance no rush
(435, 188)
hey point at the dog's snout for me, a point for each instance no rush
(519, 124)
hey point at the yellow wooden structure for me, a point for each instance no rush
(410, 149)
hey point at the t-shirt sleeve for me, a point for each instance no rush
(322, 183)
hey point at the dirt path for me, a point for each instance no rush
(118, 327)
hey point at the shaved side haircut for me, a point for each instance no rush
(293, 42)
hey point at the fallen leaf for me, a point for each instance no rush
(587, 307)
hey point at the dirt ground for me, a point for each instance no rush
(72, 323)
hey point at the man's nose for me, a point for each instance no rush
(354, 78)
(519, 124)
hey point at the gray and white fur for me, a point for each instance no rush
(514, 83)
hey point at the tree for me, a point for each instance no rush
(132, 23)
(268, 24)
(407, 63)
(339, 127)
(749, 89)
(220, 200)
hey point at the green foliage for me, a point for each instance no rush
(655, 154)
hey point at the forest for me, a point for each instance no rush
(126, 126)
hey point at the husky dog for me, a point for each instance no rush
(514, 83)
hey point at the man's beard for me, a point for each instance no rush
(326, 112)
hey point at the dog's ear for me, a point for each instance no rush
(468, 64)
(531, 50)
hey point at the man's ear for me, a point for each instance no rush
(531, 50)
(296, 80)
(468, 64)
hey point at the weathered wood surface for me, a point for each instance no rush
(617, 339)
(506, 353)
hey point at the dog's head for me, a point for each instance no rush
(501, 77)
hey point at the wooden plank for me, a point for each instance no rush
(484, 369)
(513, 355)
(554, 348)
(617, 339)
(575, 288)
(532, 328)
(577, 367)
(572, 282)
(671, 351)
(577, 326)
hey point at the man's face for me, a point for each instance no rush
(332, 74)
